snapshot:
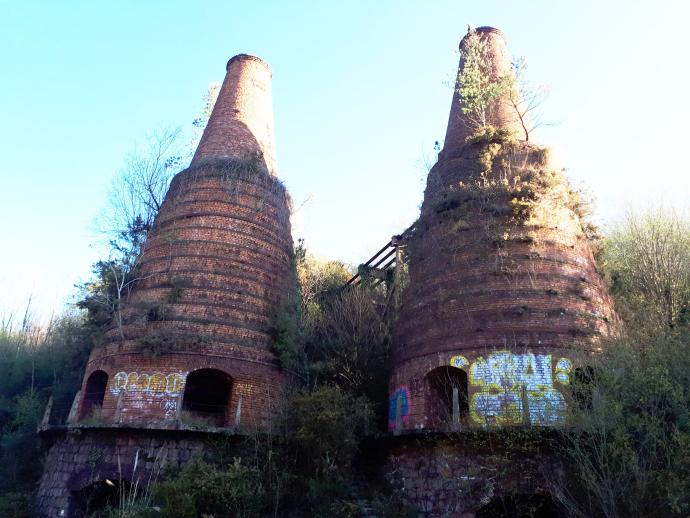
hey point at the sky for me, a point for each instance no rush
(360, 96)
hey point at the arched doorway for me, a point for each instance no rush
(206, 398)
(98, 496)
(447, 404)
(94, 394)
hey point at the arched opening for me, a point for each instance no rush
(447, 403)
(99, 496)
(540, 505)
(206, 398)
(94, 393)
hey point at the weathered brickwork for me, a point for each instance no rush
(242, 120)
(505, 387)
(501, 114)
(83, 457)
(503, 285)
(190, 346)
(451, 476)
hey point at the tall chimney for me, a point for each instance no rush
(504, 294)
(242, 120)
(502, 115)
(214, 271)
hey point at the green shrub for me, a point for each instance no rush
(202, 488)
(324, 428)
(15, 505)
(630, 431)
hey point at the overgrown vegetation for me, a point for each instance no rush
(647, 260)
(627, 444)
(485, 91)
(627, 447)
(36, 363)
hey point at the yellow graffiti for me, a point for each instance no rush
(174, 383)
(156, 383)
(459, 361)
(138, 381)
(514, 386)
(244, 389)
(563, 369)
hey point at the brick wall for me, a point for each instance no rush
(453, 475)
(242, 120)
(502, 277)
(80, 458)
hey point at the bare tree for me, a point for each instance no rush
(200, 122)
(137, 193)
(526, 98)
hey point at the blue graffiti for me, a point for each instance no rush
(404, 394)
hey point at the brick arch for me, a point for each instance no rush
(446, 401)
(207, 396)
(94, 392)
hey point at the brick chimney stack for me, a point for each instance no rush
(504, 296)
(242, 120)
(213, 273)
(502, 116)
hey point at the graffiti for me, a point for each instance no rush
(170, 408)
(156, 383)
(244, 389)
(404, 394)
(459, 362)
(562, 371)
(507, 382)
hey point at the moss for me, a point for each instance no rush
(491, 134)
(156, 344)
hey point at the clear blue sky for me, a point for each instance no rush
(359, 99)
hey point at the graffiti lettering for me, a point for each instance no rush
(170, 408)
(156, 383)
(244, 389)
(507, 382)
(459, 362)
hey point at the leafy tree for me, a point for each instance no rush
(212, 489)
(647, 259)
(628, 442)
(35, 363)
(478, 86)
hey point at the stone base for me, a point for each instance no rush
(471, 474)
(80, 458)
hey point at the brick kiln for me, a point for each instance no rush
(191, 347)
(504, 291)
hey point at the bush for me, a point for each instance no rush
(15, 505)
(324, 428)
(630, 436)
(647, 260)
(202, 488)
